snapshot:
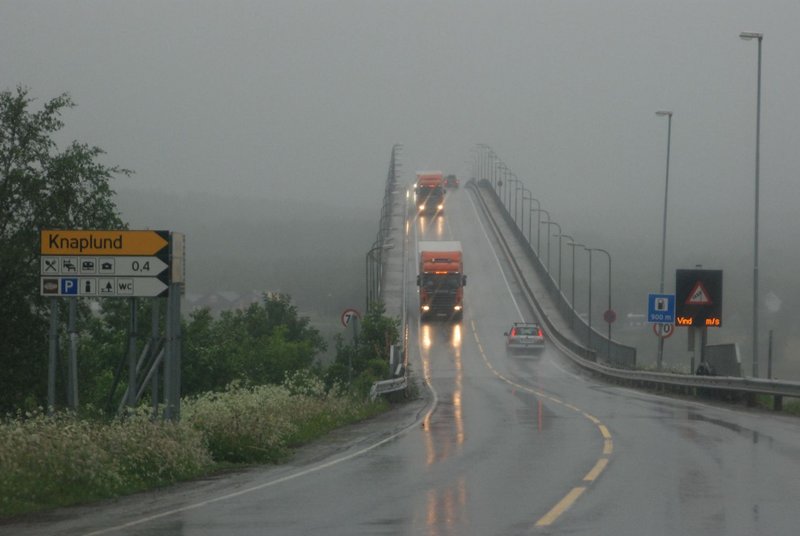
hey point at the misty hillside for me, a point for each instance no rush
(312, 251)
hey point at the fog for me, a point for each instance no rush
(263, 130)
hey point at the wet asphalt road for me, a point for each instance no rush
(495, 445)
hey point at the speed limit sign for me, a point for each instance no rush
(663, 330)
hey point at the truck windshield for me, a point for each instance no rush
(428, 190)
(441, 281)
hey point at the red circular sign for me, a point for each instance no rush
(610, 316)
(348, 315)
(663, 330)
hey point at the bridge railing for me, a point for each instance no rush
(587, 357)
(603, 349)
(392, 209)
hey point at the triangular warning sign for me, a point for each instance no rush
(699, 295)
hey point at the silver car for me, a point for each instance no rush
(524, 337)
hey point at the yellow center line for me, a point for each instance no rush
(604, 431)
(596, 470)
(608, 446)
(562, 506)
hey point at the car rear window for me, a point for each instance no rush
(526, 331)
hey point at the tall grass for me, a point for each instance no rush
(50, 461)
(61, 460)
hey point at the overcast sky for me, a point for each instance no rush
(297, 101)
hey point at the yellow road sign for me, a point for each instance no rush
(73, 242)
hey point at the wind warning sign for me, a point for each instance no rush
(698, 298)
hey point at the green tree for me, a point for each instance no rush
(41, 187)
(365, 360)
(258, 345)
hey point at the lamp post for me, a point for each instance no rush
(540, 210)
(747, 36)
(589, 331)
(510, 180)
(574, 245)
(373, 274)
(608, 348)
(501, 167)
(523, 212)
(519, 188)
(558, 234)
(668, 114)
(517, 208)
(492, 167)
(516, 189)
(531, 211)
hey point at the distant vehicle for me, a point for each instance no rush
(451, 181)
(441, 280)
(524, 337)
(429, 192)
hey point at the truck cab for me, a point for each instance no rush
(441, 280)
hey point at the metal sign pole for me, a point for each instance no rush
(175, 297)
(168, 357)
(72, 369)
(132, 356)
(154, 327)
(51, 370)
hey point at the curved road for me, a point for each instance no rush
(499, 445)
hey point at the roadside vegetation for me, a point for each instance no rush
(65, 459)
(253, 386)
(68, 458)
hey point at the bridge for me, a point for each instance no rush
(499, 199)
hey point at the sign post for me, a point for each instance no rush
(109, 264)
(351, 317)
(698, 296)
(661, 312)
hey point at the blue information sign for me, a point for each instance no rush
(69, 286)
(661, 308)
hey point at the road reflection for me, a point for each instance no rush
(446, 508)
(444, 429)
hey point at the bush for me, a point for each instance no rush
(243, 424)
(63, 460)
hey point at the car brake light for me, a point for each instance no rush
(540, 332)
(513, 332)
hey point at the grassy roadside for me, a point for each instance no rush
(47, 462)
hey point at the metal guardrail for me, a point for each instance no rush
(388, 386)
(584, 357)
(375, 286)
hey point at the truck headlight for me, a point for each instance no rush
(426, 308)
(457, 307)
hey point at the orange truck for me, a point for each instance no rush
(441, 280)
(429, 192)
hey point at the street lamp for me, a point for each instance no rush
(531, 210)
(668, 114)
(540, 210)
(573, 244)
(374, 275)
(608, 350)
(589, 331)
(493, 167)
(747, 36)
(558, 234)
(516, 189)
(519, 188)
(523, 212)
